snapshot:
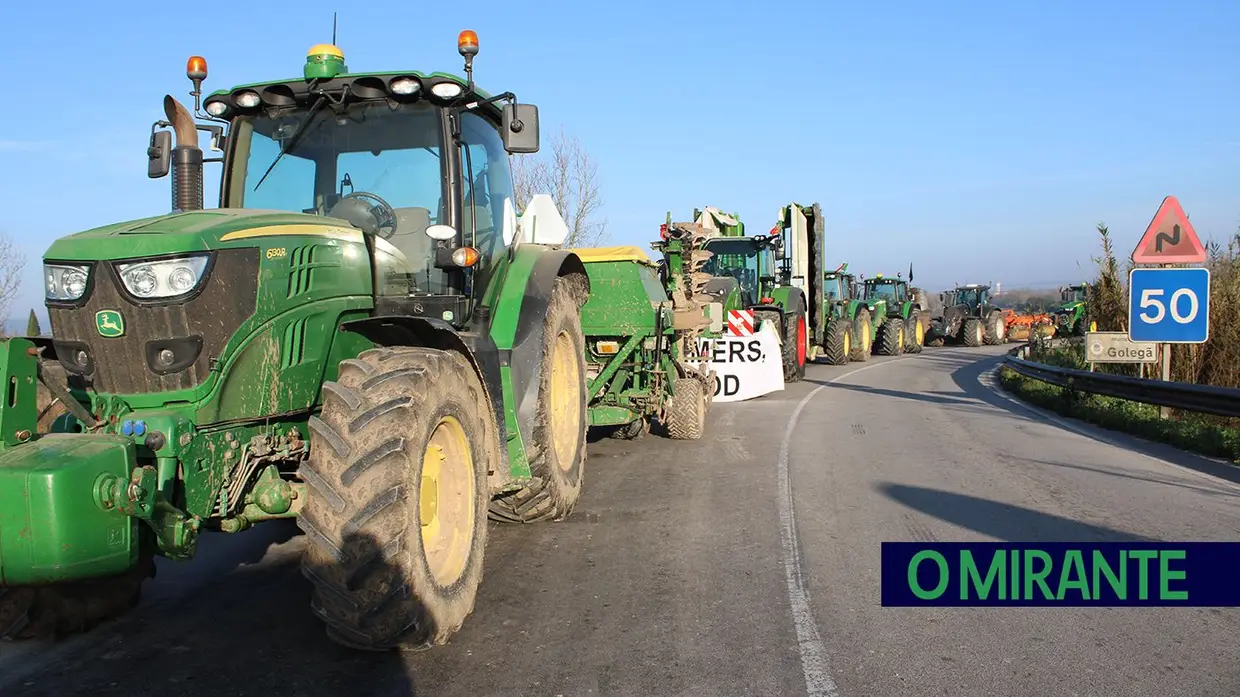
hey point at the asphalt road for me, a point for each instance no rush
(743, 564)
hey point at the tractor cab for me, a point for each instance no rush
(839, 287)
(742, 267)
(1073, 294)
(893, 290)
(976, 297)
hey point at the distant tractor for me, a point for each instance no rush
(1071, 315)
(850, 329)
(902, 328)
(970, 318)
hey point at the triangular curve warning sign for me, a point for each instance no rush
(1170, 238)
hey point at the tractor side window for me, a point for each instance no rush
(488, 204)
(290, 187)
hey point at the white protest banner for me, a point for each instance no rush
(745, 366)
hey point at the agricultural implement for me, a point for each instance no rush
(901, 323)
(850, 329)
(388, 359)
(969, 318)
(1071, 315)
(1022, 326)
(735, 271)
(637, 337)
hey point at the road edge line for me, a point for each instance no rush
(813, 653)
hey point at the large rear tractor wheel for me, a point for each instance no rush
(972, 333)
(685, 415)
(863, 337)
(839, 342)
(45, 613)
(996, 330)
(795, 346)
(890, 338)
(914, 333)
(557, 455)
(395, 512)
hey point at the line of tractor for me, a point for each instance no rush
(367, 336)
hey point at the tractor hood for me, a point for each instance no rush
(1067, 307)
(192, 231)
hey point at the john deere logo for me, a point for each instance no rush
(109, 323)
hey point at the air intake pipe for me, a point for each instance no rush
(186, 158)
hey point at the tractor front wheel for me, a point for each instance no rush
(914, 334)
(972, 333)
(863, 337)
(890, 338)
(395, 512)
(632, 430)
(839, 342)
(557, 455)
(794, 346)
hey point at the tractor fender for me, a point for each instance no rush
(430, 332)
(788, 299)
(518, 335)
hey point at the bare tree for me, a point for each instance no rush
(570, 176)
(12, 261)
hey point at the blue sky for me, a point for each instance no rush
(981, 142)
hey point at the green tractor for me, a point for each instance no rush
(1072, 314)
(737, 272)
(902, 324)
(364, 336)
(851, 330)
(969, 318)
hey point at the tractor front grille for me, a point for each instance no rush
(194, 330)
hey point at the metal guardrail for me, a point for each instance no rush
(1204, 399)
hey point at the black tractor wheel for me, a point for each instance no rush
(633, 430)
(863, 337)
(557, 455)
(395, 513)
(794, 345)
(46, 613)
(839, 342)
(972, 332)
(914, 333)
(890, 338)
(996, 330)
(685, 414)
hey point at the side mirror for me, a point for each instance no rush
(159, 154)
(441, 232)
(520, 130)
(779, 253)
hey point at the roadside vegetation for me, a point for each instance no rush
(1217, 362)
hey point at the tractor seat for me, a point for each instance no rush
(410, 236)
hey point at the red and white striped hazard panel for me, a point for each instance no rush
(740, 322)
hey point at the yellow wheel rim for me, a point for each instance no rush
(920, 334)
(847, 343)
(446, 501)
(866, 339)
(565, 400)
(901, 334)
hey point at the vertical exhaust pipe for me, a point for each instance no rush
(187, 177)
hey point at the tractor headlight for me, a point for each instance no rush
(447, 90)
(64, 281)
(165, 278)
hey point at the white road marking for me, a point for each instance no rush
(814, 664)
(1097, 433)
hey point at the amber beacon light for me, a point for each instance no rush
(467, 43)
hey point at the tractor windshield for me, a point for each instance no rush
(880, 290)
(969, 296)
(394, 154)
(1073, 294)
(833, 288)
(739, 259)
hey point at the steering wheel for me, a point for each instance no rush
(381, 211)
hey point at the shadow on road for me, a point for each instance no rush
(1006, 522)
(251, 632)
(936, 398)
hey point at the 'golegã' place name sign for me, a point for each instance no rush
(1116, 347)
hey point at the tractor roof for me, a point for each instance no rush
(301, 91)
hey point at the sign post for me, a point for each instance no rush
(1169, 303)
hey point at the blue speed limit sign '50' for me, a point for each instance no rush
(1169, 305)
